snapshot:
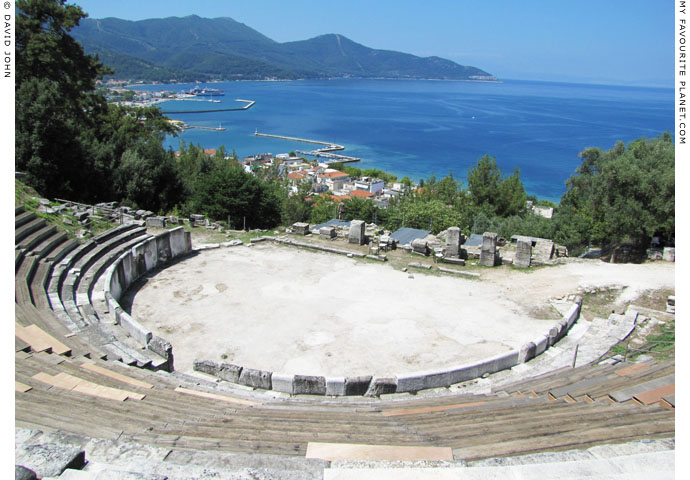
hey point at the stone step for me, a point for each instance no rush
(657, 465)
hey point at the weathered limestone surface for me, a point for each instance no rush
(163, 247)
(300, 228)
(312, 385)
(527, 352)
(357, 385)
(453, 242)
(335, 386)
(283, 383)
(419, 245)
(49, 459)
(523, 255)
(380, 386)
(229, 372)
(327, 233)
(156, 222)
(356, 234)
(206, 366)
(161, 347)
(669, 254)
(178, 243)
(23, 473)
(488, 254)
(255, 378)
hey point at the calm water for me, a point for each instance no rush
(416, 128)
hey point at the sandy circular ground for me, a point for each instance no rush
(298, 312)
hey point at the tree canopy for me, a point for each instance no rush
(623, 194)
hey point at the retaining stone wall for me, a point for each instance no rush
(129, 267)
(375, 386)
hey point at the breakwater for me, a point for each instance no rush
(325, 152)
(248, 105)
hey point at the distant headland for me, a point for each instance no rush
(193, 49)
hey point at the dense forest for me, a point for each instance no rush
(71, 144)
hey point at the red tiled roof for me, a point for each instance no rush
(361, 194)
(335, 174)
(295, 176)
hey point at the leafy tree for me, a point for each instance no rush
(483, 181)
(323, 209)
(147, 177)
(359, 209)
(623, 194)
(296, 208)
(227, 190)
(68, 141)
(489, 190)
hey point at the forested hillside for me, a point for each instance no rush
(222, 48)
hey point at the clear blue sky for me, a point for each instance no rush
(590, 41)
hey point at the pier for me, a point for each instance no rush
(199, 127)
(248, 105)
(325, 152)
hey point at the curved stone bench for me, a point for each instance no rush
(142, 258)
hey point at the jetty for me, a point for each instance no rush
(199, 127)
(325, 152)
(248, 105)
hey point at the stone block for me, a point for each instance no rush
(163, 247)
(134, 328)
(453, 242)
(357, 385)
(527, 352)
(178, 243)
(488, 252)
(283, 383)
(669, 254)
(48, 459)
(156, 222)
(139, 259)
(252, 377)
(229, 372)
(205, 366)
(335, 386)
(356, 233)
(23, 473)
(419, 245)
(300, 228)
(523, 255)
(150, 254)
(552, 336)
(328, 233)
(310, 385)
(160, 347)
(542, 343)
(380, 386)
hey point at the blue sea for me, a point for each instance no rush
(416, 128)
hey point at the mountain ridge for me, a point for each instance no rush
(196, 48)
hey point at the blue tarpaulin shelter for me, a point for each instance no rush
(475, 240)
(333, 222)
(405, 235)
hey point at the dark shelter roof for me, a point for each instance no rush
(475, 240)
(405, 235)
